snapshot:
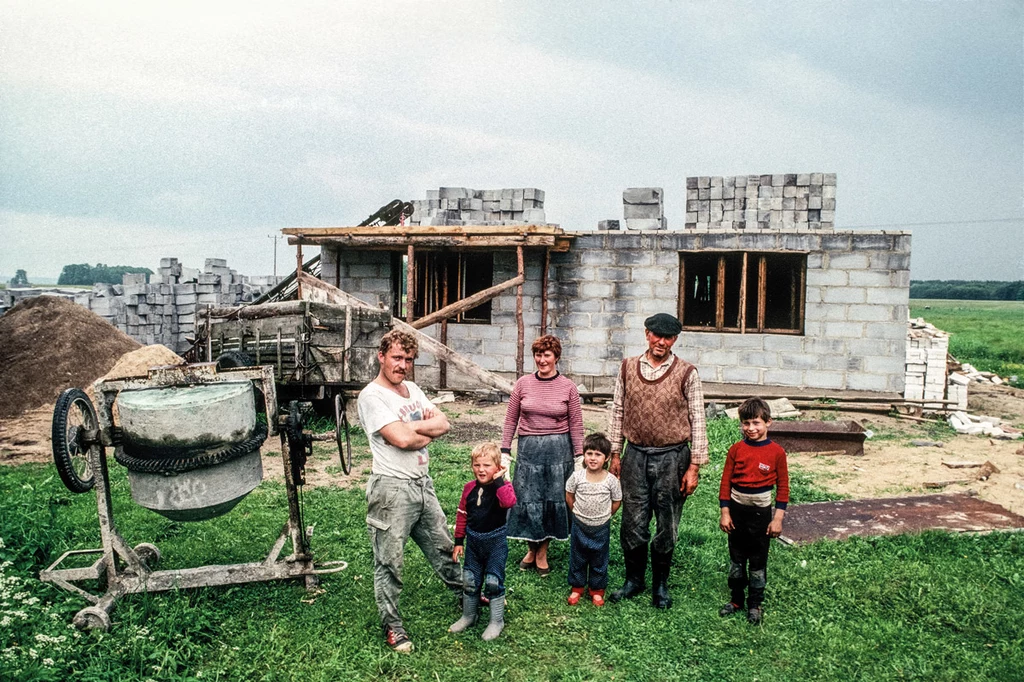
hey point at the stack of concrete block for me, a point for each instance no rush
(956, 389)
(983, 425)
(644, 208)
(926, 375)
(466, 206)
(805, 201)
(608, 225)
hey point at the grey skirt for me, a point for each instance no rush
(543, 465)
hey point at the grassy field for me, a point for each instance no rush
(986, 334)
(925, 607)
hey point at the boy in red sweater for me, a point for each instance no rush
(753, 467)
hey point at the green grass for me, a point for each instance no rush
(934, 606)
(987, 334)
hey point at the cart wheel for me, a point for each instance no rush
(148, 553)
(73, 417)
(341, 434)
(92, 618)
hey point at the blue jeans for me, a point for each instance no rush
(589, 548)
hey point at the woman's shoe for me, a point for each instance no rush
(544, 572)
(527, 565)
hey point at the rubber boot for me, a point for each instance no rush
(661, 566)
(497, 623)
(470, 602)
(636, 572)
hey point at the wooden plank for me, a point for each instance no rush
(410, 296)
(961, 464)
(427, 230)
(437, 242)
(298, 268)
(467, 303)
(803, 297)
(681, 307)
(520, 331)
(318, 290)
(443, 370)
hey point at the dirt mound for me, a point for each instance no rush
(48, 344)
(138, 362)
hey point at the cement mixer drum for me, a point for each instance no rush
(192, 452)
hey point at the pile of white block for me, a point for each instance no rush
(644, 208)
(983, 425)
(926, 376)
(791, 201)
(465, 206)
(971, 374)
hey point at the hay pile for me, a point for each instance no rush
(48, 344)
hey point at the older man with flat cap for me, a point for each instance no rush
(659, 410)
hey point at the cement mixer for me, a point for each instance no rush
(190, 440)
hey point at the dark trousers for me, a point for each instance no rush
(748, 551)
(650, 488)
(588, 548)
(486, 555)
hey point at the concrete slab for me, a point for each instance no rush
(839, 520)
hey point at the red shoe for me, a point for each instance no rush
(597, 596)
(574, 596)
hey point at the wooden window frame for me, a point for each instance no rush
(435, 289)
(750, 259)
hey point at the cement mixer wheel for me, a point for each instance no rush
(92, 618)
(74, 417)
(148, 553)
(341, 434)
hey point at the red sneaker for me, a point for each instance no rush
(398, 641)
(574, 596)
(597, 596)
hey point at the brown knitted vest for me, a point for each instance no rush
(655, 413)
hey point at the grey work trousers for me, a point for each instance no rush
(650, 479)
(397, 509)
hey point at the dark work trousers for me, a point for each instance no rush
(748, 547)
(486, 555)
(588, 548)
(650, 480)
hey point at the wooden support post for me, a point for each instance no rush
(521, 333)
(410, 295)
(682, 290)
(443, 371)
(720, 294)
(803, 295)
(298, 270)
(743, 296)
(762, 282)
(544, 292)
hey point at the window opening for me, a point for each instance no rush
(466, 274)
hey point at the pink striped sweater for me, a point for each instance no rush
(541, 407)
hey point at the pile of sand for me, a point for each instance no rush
(138, 362)
(48, 344)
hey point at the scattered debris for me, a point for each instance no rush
(985, 425)
(926, 443)
(961, 464)
(986, 471)
(938, 485)
(443, 397)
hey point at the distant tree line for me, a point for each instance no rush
(967, 291)
(86, 274)
(20, 279)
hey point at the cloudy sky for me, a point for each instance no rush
(135, 130)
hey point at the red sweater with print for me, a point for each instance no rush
(755, 467)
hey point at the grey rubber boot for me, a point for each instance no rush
(497, 623)
(470, 602)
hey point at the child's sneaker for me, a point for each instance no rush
(597, 596)
(574, 596)
(398, 641)
(729, 609)
(754, 615)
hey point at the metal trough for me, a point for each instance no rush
(846, 437)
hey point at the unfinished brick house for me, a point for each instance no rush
(770, 294)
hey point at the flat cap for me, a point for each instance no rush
(663, 324)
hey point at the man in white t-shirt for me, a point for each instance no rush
(401, 503)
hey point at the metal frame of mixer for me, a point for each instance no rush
(126, 569)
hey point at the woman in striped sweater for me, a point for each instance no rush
(544, 409)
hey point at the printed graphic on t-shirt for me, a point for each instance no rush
(413, 412)
(764, 467)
